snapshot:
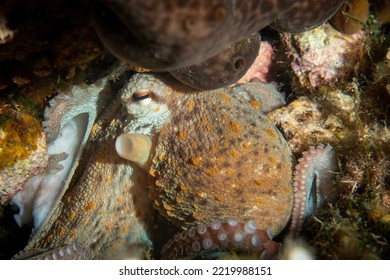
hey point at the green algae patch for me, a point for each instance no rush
(19, 137)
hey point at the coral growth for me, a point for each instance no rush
(352, 114)
(322, 55)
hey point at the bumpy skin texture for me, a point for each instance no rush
(312, 188)
(68, 121)
(168, 35)
(223, 69)
(106, 203)
(69, 252)
(216, 156)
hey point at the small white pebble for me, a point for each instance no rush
(299, 253)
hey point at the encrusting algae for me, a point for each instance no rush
(19, 137)
(22, 152)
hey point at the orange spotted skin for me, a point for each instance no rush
(214, 156)
(218, 157)
(102, 205)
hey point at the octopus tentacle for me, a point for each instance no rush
(231, 235)
(312, 184)
(68, 122)
(72, 251)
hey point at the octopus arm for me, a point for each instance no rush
(220, 238)
(313, 184)
(73, 251)
(68, 123)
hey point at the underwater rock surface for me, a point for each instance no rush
(22, 153)
(323, 55)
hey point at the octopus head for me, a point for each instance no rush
(209, 154)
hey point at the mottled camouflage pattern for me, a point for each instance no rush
(218, 157)
(223, 69)
(106, 202)
(167, 35)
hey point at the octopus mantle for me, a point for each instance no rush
(194, 156)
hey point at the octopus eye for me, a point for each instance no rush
(142, 97)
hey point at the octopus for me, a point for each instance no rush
(199, 42)
(197, 157)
